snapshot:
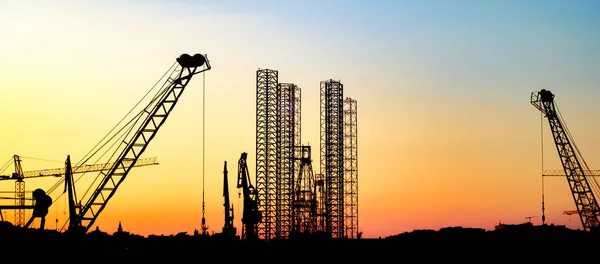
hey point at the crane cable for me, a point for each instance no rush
(542, 145)
(203, 144)
(111, 135)
(6, 165)
(104, 141)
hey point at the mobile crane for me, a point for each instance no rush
(574, 165)
(251, 216)
(144, 126)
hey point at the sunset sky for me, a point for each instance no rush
(446, 133)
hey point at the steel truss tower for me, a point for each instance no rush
(277, 133)
(350, 169)
(305, 203)
(267, 149)
(297, 129)
(332, 155)
(289, 137)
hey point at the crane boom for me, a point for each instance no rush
(562, 173)
(59, 172)
(154, 116)
(586, 203)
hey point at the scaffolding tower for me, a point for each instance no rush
(350, 169)
(332, 154)
(267, 149)
(277, 135)
(289, 138)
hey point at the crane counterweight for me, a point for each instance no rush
(188, 61)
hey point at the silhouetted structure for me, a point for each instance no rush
(131, 145)
(289, 112)
(278, 132)
(20, 176)
(228, 228)
(332, 155)
(305, 201)
(251, 215)
(350, 168)
(280, 166)
(573, 163)
(145, 127)
(451, 243)
(267, 150)
(40, 209)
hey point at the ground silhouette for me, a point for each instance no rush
(507, 243)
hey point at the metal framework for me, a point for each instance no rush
(144, 129)
(350, 168)
(332, 155)
(285, 181)
(304, 203)
(20, 202)
(297, 129)
(561, 173)
(320, 197)
(19, 175)
(267, 149)
(573, 163)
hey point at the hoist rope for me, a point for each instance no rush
(203, 136)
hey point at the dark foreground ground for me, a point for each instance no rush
(513, 244)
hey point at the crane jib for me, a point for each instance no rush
(155, 118)
(572, 162)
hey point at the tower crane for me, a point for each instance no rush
(228, 229)
(251, 216)
(573, 163)
(19, 176)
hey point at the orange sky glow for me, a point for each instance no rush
(446, 133)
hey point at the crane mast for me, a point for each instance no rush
(586, 203)
(250, 215)
(74, 225)
(228, 228)
(153, 116)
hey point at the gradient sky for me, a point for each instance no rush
(447, 136)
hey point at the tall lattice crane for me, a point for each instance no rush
(573, 163)
(130, 141)
(145, 126)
